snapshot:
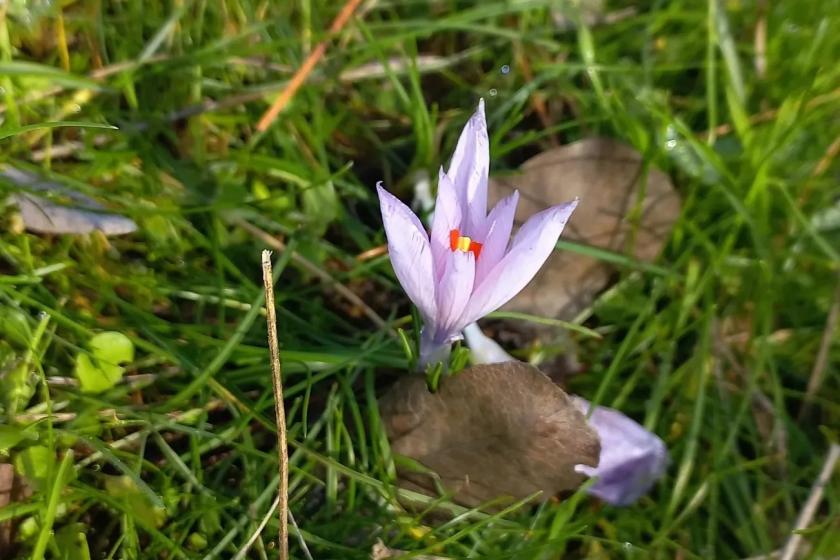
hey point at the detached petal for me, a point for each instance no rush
(632, 458)
(469, 168)
(499, 226)
(446, 218)
(453, 294)
(410, 253)
(532, 245)
(483, 349)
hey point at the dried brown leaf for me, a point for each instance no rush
(607, 176)
(496, 430)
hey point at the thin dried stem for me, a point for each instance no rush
(811, 504)
(242, 552)
(306, 68)
(770, 114)
(279, 410)
(821, 363)
(760, 40)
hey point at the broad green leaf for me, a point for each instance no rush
(14, 328)
(135, 502)
(47, 73)
(196, 541)
(112, 347)
(100, 370)
(72, 542)
(10, 436)
(33, 463)
(17, 386)
(320, 204)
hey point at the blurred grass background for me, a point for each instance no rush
(738, 101)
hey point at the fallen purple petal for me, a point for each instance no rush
(632, 458)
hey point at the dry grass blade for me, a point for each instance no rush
(814, 499)
(279, 410)
(770, 114)
(340, 288)
(821, 363)
(242, 552)
(306, 68)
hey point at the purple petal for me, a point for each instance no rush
(532, 245)
(632, 458)
(447, 217)
(468, 170)
(453, 294)
(500, 224)
(410, 253)
(483, 349)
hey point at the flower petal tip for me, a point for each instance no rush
(479, 121)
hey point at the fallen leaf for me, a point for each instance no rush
(495, 430)
(606, 175)
(81, 215)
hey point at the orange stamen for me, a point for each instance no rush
(458, 242)
(475, 247)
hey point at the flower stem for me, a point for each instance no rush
(432, 352)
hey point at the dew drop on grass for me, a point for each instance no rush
(505, 69)
(493, 92)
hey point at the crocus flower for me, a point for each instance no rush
(632, 459)
(467, 266)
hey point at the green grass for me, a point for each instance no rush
(712, 347)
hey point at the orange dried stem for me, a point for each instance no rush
(306, 68)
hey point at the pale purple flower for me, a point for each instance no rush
(632, 458)
(468, 266)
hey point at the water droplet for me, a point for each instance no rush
(493, 92)
(505, 69)
(43, 315)
(75, 108)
